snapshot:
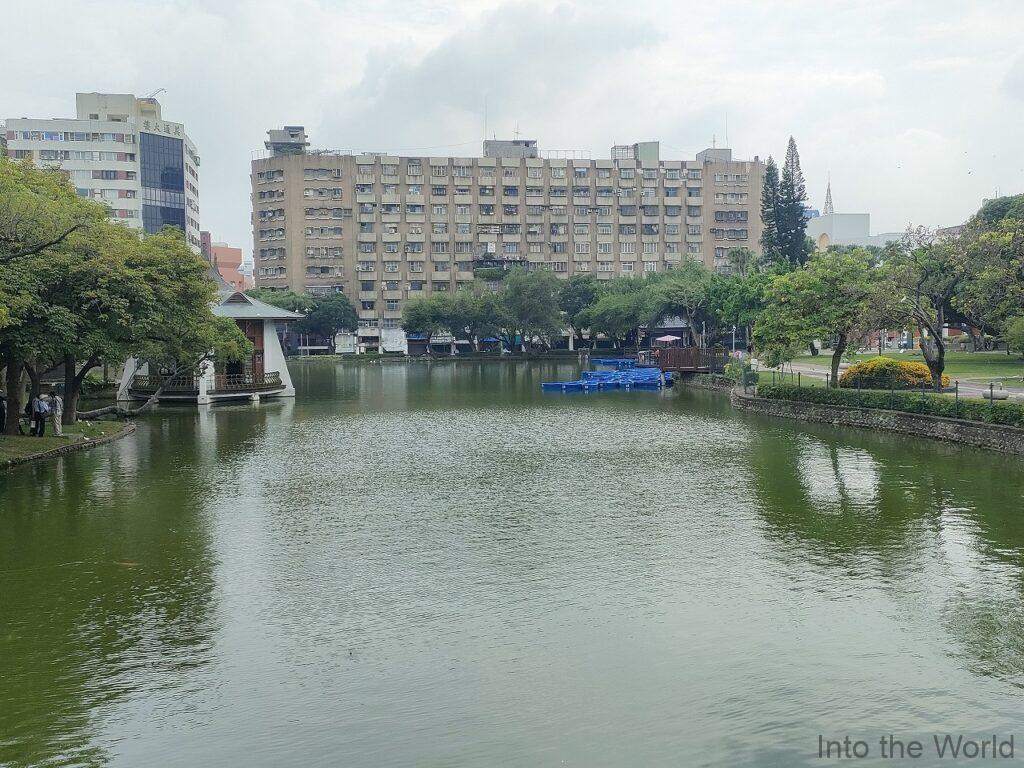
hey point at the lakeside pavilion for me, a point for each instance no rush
(264, 374)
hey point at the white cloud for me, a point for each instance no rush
(912, 106)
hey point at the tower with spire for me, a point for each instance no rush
(828, 210)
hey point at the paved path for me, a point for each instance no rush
(967, 388)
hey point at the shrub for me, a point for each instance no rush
(888, 373)
(736, 369)
(1009, 414)
(1015, 335)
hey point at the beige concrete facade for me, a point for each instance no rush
(384, 229)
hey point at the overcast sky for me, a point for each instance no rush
(916, 109)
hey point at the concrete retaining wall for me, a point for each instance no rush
(713, 381)
(992, 436)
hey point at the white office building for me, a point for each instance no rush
(120, 150)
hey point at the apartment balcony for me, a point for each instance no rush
(415, 199)
(367, 295)
(367, 314)
(462, 199)
(413, 294)
(366, 197)
(415, 218)
(695, 220)
(463, 275)
(694, 200)
(694, 183)
(367, 237)
(390, 199)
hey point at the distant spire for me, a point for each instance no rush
(828, 200)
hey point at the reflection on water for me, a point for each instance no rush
(438, 564)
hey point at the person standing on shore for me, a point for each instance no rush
(40, 412)
(57, 412)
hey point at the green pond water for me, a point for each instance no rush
(438, 565)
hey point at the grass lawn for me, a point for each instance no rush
(18, 446)
(766, 377)
(965, 366)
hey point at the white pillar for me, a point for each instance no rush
(205, 382)
(132, 367)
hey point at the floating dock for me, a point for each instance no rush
(625, 376)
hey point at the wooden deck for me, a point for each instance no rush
(691, 359)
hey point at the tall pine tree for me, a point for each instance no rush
(791, 226)
(770, 252)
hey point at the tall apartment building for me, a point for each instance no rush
(120, 150)
(385, 229)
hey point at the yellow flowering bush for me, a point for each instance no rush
(886, 372)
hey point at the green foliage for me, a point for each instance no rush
(427, 315)
(770, 213)
(1008, 414)
(995, 211)
(327, 315)
(992, 289)
(685, 291)
(741, 372)
(830, 298)
(491, 274)
(888, 373)
(530, 301)
(39, 209)
(736, 300)
(1015, 334)
(294, 302)
(576, 294)
(741, 261)
(791, 225)
(618, 314)
(177, 328)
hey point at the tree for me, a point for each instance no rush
(995, 211)
(992, 291)
(735, 301)
(619, 315)
(39, 209)
(1014, 334)
(577, 294)
(475, 313)
(95, 277)
(327, 316)
(427, 315)
(770, 213)
(685, 291)
(294, 302)
(790, 223)
(530, 301)
(927, 272)
(830, 298)
(741, 260)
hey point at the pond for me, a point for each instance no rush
(437, 564)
